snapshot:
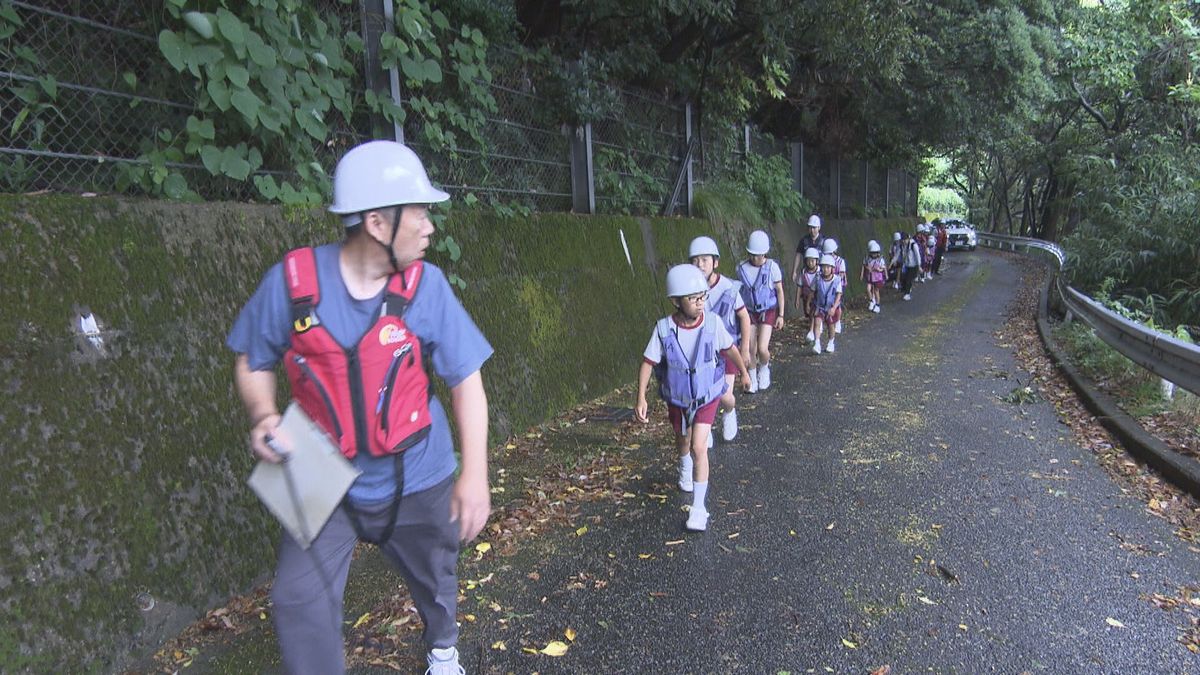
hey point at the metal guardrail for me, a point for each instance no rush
(1167, 357)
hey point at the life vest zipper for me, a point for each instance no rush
(357, 407)
(312, 377)
(385, 392)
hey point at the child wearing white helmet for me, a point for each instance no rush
(908, 260)
(893, 268)
(830, 248)
(930, 252)
(921, 238)
(874, 274)
(684, 351)
(724, 301)
(827, 304)
(808, 285)
(762, 291)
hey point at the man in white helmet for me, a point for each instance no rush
(812, 239)
(358, 343)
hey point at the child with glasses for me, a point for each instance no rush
(762, 291)
(684, 352)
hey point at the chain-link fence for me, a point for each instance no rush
(85, 93)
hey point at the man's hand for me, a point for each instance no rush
(258, 439)
(470, 505)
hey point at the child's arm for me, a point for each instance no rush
(743, 319)
(779, 300)
(837, 302)
(642, 409)
(734, 355)
(796, 265)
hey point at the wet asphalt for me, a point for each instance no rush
(880, 506)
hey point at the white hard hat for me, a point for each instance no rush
(827, 260)
(811, 252)
(814, 221)
(830, 246)
(895, 236)
(378, 174)
(873, 246)
(703, 246)
(921, 227)
(759, 244)
(685, 280)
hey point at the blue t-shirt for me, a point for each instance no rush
(456, 346)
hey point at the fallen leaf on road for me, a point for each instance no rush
(926, 600)
(645, 556)
(581, 531)
(830, 526)
(1114, 623)
(962, 626)
(555, 648)
(483, 547)
(570, 633)
(735, 535)
(882, 670)
(499, 644)
(849, 644)
(362, 619)
(673, 543)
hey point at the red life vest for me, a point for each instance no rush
(374, 395)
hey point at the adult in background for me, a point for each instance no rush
(812, 239)
(942, 242)
(908, 260)
(351, 322)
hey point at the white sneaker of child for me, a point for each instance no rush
(753, 380)
(876, 308)
(764, 376)
(831, 347)
(443, 662)
(697, 520)
(710, 439)
(871, 306)
(837, 327)
(908, 296)
(816, 346)
(809, 337)
(729, 427)
(685, 479)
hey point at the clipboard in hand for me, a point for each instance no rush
(305, 489)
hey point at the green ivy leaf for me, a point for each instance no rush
(173, 48)
(262, 55)
(210, 155)
(219, 93)
(248, 104)
(238, 75)
(412, 25)
(130, 79)
(49, 85)
(267, 187)
(231, 27)
(234, 164)
(413, 69)
(432, 71)
(270, 118)
(175, 186)
(199, 22)
(453, 249)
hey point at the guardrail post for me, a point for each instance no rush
(1068, 317)
(1168, 389)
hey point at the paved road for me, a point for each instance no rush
(856, 476)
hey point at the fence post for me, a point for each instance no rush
(687, 143)
(746, 142)
(835, 186)
(798, 167)
(583, 180)
(378, 18)
(887, 192)
(866, 178)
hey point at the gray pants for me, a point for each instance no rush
(308, 601)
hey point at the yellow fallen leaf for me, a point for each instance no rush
(1114, 623)
(555, 648)
(962, 626)
(510, 446)
(362, 619)
(830, 526)
(644, 556)
(469, 618)
(849, 644)
(633, 446)
(262, 616)
(675, 542)
(735, 535)
(570, 633)
(483, 547)
(581, 531)
(926, 600)
(495, 606)
(792, 532)
(529, 650)
(499, 644)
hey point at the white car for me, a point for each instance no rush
(960, 234)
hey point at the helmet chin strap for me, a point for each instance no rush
(391, 242)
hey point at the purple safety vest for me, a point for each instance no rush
(759, 296)
(826, 295)
(689, 383)
(723, 307)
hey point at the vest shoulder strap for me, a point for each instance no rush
(300, 276)
(401, 288)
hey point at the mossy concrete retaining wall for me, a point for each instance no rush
(125, 465)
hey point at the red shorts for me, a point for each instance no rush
(764, 318)
(704, 415)
(730, 369)
(877, 284)
(830, 317)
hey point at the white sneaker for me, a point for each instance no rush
(729, 425)
(685, 480)
(753, 379)
(443, 662)
(896, 285)
(710, 439)
(809, 337)
(697, 520)
(908, 296)
(837, 327)
(764, 377)
(831, 347)
(817, 347)
(876, 308)
(871, 306)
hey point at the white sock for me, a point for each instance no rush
(685, 466)
(699, 491)
(443, 654)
